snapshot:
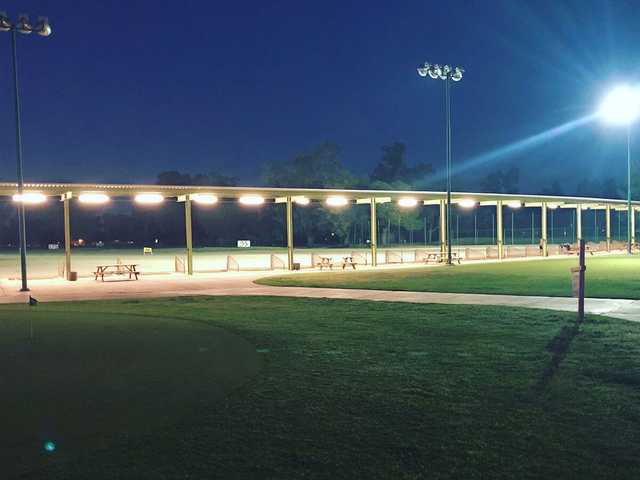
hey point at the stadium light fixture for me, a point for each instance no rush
(622, 107)
(467, 203)
(43, 29)
(149, 198)
(407, 202)
(303, 201)
(93, 198)
(448, 74)
(29, 198)
(204, 198)
(251, 200)
(336, 201)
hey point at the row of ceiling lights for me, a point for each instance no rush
(250, 200)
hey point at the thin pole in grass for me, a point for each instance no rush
(578, 280)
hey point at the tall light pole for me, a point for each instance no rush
(448, 74)
(43, 29)
(622, 107)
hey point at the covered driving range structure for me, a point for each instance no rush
(290, 198)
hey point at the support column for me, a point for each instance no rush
(188, 234)
(499, 229)
(608, 221)
(67, 235)
(633, 227)
(543, 230)
(578, 223)
(374, 234)
(289, 233)
(443, 228)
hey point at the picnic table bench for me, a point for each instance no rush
(439, 257)
(569, 249)
(348, 261)
(117, 269)
(325, 262)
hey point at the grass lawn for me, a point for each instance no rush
(265, 387)
(607, 277)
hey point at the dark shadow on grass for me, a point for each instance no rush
(558, 346)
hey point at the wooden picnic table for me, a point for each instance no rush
(348, 260)
(117, 269)
(325, 262)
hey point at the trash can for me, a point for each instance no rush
(296, 265)
(73, 276)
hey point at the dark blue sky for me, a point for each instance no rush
(125, 89)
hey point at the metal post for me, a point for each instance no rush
(443, 227)
(532, 227)
(22, 231)
(448, 113)
(608, 222)
(633, 227)
(67, 235)
(374, 234)
(499, 229)
(543, 229)
(630, 229)
(582, 270)
(189, 234)
(289, 233)
(579, 222)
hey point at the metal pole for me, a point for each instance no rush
(608, 222)
(512, 226)
(443, 227)
(188, 234)
(448, 217)
(475, 228)
(582, 269)
(499, 229)
(374, 234)
(630, 232)
(22, 231)
(289, 233)
(532, 228)
(67, 235)
(579, 222)
(543, 230)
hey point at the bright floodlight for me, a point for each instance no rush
(621, 106)
(251, 200)
(93, 198)
(149, 198)
(552, 206)
(204, 198)
(514, 204)
(302, 201)
(336, 201)
(30, 197)
(467, 203)
(407, 202)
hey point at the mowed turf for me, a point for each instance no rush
(607, 277)
(347, 389)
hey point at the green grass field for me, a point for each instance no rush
(607, 277)
(268, 387)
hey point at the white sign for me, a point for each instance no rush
(244, 243)
(54, 246)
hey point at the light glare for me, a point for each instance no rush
(149, 198)
(407, 202)
(251, 200)
(467, 203)
(302, 201)
(204, 198)
(514, 204)
(30, 198)
(93, 198)
(336, 201)
(621, 106)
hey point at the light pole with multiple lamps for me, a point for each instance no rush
(43, 29)
(448, 74)
(622, 107)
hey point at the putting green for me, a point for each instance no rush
(88, 379)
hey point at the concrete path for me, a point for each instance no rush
(230, 283)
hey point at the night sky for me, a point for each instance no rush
(125, 89)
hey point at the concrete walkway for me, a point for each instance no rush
(242, 283)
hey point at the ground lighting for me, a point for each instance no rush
(336, 201)
(448, 74)
(622, 107)
(204, 198)
(93, 198)
(43, 29)
(149, 198)
(29, 198)
(407, 202)
(251, 200)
